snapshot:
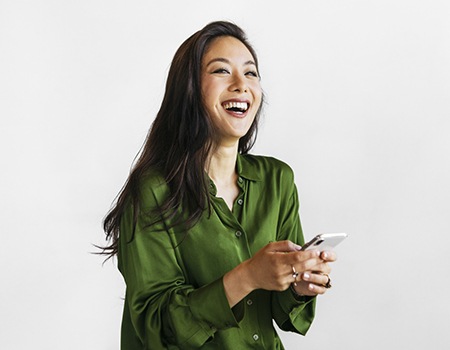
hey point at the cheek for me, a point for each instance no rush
(257, 94)
(208, 103)
(205, 86)
(256, 88)
(209, 92)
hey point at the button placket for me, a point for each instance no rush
(240, 198)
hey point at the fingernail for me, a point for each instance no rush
(311, 287)
(298, 247)
(325, 255)
(306, 276)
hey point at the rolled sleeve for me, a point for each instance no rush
(292, 314)
(194, 315)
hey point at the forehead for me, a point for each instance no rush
(227, 47)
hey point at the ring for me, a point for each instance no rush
(295, 275)
(328, 284)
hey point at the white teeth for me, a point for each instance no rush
(240, 105)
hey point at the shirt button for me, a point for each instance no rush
(238, 234)
(249, 302)
(240, 201)
(255, 337)
(240, 179)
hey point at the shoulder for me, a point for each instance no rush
(153, 189)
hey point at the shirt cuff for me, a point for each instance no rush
(294, 314)
(210, 304)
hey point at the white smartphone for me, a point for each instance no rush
(325, 241)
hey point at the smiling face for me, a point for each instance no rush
(230, 88)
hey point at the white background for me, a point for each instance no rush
(358, 104)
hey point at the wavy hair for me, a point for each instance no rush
(180, 140)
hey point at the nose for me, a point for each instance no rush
(238, 84)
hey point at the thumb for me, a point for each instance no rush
(284, 246)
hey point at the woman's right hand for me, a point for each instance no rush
(270, 268)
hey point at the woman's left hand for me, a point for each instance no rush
(317, 281)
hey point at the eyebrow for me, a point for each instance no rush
(225, 60)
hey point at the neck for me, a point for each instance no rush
(221, 167)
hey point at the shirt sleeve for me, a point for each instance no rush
(162, 307)
(290, 312)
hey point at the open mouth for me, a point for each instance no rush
(236, 107)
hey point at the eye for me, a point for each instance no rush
(252, 73)
(221, 71)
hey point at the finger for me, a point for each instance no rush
(284, 246)
(303, 260)
(317, 284)
(315, 278)
(321, 268)
(316, 289)
(329, 256)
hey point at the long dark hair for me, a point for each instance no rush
(180, 139)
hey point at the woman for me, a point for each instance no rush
(207, 236)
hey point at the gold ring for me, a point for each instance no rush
(328, 284)
(295, 275)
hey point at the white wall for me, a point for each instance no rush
(358, 104)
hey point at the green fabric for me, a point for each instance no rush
(175, 297)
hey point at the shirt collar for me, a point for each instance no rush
(246, 168)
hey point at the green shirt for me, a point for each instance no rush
(175, 297)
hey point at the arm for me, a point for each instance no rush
(290, 312)
(163, 308)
